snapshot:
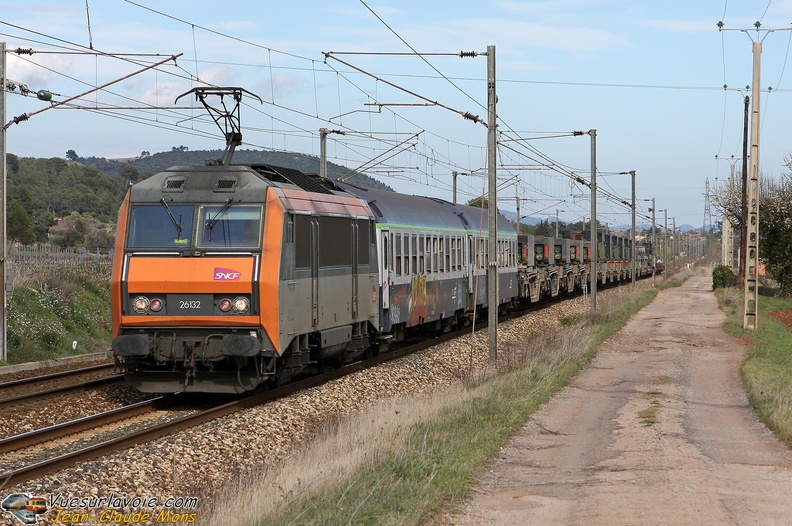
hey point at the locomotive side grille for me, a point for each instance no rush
(225, 185)
(174, 184)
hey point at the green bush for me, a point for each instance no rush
(722, 277)
(53, 308)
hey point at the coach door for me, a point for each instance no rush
(384, 268)
(355, 263)
(315, 271)
(469, 259)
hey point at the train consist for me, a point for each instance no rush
(227, 278)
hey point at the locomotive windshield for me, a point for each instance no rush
(237, 226)
(160, 226)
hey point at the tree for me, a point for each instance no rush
(19, 226)
(71, 155)
(129, 173)
(544, 229)
(479, 202)
(775, 229)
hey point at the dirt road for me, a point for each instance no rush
(656, 431)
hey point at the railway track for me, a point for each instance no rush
(62, 432)
(25, 389)
(17, 444)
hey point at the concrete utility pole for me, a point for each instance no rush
(323, 152)
(665, 244)
(594, 255)
(632, 249)
(3, 255)
(744, 202)
(751, 242)
(727, 235)
(492, 208)
(674, 243)
(556, 225)
(323, 133)
(654, 244)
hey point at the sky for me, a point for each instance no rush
(661, 85)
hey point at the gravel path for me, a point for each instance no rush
(656, 431)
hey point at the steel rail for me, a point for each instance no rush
(91, 383)
(23, 474)
(37, 436)
(61, 374)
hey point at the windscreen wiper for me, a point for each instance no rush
(177, 224)
(215, 218)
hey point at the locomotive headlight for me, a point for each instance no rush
(140, 304)
(225, 305)
(156, 305)
(241, 305)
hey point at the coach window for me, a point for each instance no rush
(421, 249)
(229, 226)
(428, 253)
(397, 251)
(414, 252)
(434, 254)
(441, 254)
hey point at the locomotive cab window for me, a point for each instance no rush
(234, 226)
(163, 226)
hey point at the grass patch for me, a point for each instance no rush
(649, 415)
(409, 463)
(663, 379)
(767, 369)
(54, 308)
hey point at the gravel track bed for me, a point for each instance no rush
(6, 374)
(46, 451)
(63, 407)
(199, 461)
(54, 383)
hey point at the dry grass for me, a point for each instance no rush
(402, 461)
(349, 447)
(344, 450)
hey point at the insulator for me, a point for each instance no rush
(467, 54)
(470, 116)
(44, 95)
(21, 51)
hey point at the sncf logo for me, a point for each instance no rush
(226, 274)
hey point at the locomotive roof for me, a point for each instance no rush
(199, 183)
(217, 183)
(412, 211)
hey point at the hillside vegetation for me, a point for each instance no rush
(146, 165)
(82, 195)
(52, 309)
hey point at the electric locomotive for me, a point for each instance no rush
(219, 271)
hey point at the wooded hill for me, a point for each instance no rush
(147, 165)
(88, 191)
